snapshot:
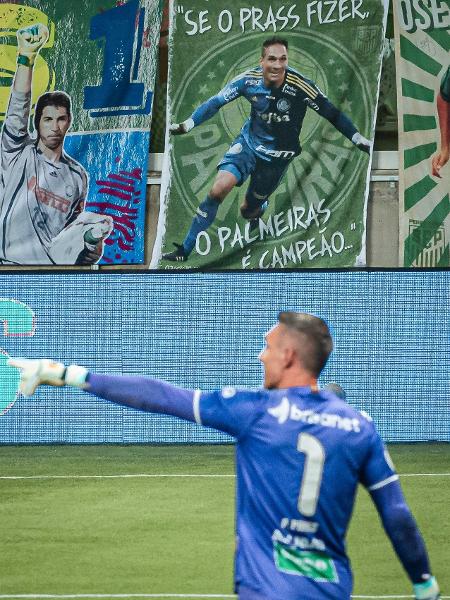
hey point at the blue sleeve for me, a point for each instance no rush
(379, 477)
(326, 109)
(209, 108)
(402, 530)
(377, 469)
(143, 393)
(229, 410)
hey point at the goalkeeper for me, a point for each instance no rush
(43, 189)
(301, 453)
(268, 141)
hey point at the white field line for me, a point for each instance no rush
(123, 476)
(175, 475)
(75, 596)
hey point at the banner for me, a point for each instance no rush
(423, 84)
(291, 123)
(76, 96)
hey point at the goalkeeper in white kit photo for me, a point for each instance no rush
(42, 189)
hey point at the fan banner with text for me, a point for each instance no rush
(423, 88)
(77, 81)
(272, 114)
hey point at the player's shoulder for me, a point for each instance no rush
(73, 164)
(297, 81)
(249, 78)
(362, 420)
(70, 161)
(230, 392)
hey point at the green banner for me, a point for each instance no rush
(423, 84)
(291, 126)
(77, 80)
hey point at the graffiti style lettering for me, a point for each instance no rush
(121, 194)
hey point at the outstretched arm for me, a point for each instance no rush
(204, 112)
(342, 123)
(141, 393)
(208, 109)
(406, 539)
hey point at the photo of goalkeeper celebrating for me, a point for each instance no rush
(268, 141)
(43, 189)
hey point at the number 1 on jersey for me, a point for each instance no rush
(312, 473)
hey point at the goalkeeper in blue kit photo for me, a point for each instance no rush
(268, 141)
(301, 452)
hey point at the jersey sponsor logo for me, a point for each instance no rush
(230, 93)
(285, 410)
(288, 89)
(275, 118)
(317, 566)
(281, 412)
(49, 198)
(252, 81)
(275, 153)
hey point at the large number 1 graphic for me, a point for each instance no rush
(312, 473)
(18, 320)
(122, 28)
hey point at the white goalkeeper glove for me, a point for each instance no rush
(34, 373)
(362, 143)
(181, 128)
(428, 590)
(29, 41)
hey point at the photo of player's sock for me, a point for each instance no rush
(206, 213)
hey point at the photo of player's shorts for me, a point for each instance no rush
(243, 162)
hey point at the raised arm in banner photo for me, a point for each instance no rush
(75, 139)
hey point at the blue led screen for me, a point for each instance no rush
(391, 332)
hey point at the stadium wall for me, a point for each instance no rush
(391, 331)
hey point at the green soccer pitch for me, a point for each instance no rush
(158, 521)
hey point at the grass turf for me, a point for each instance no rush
(175, 535)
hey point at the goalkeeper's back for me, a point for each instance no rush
(300, 456)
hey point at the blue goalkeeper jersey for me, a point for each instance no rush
(300, 456)
(276, 116)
